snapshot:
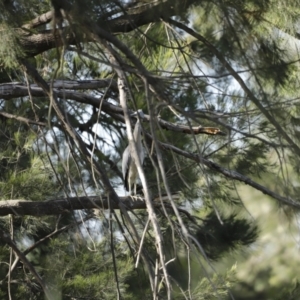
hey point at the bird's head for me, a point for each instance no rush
(138, 113)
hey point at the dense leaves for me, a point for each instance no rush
(69, 70)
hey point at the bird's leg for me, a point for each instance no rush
(134, 197)
(130, 190)
(129, 185)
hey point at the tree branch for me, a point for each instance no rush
(62, 90)
(231, 174)
(40, 20)
(19, 89)
(125, 20)
(21, 119)
(61, 206)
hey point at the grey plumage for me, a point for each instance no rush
(130, 173)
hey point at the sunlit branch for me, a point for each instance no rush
(39, 20)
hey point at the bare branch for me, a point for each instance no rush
(115, 59)
(61, 206)
(231, 174)
(62, 90)
(19, 89)
(186, 129)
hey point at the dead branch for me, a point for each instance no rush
(61, 206)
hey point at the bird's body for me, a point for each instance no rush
(129, 168)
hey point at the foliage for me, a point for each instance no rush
(224, 67)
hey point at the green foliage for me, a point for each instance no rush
(255, 101)
(217, 287)
(10, 50)
(22, 171)
(220, 235)
(96, 276)
(253, 159)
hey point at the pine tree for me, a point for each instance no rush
(217, 82)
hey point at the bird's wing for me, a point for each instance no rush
(143, 155)
(126, 161)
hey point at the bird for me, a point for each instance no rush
(129, 168)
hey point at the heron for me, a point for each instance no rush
(129, 168)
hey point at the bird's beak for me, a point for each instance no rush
(133, 114)
(139, 113)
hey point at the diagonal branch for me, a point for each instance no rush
(39, 20)
(237, 77)
(144, 13)
(116, 59)
(231, 174)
